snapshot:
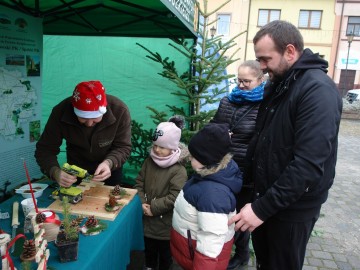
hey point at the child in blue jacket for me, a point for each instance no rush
(200, 236)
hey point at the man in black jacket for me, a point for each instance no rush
(294, 150)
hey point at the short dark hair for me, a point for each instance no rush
(282, 33)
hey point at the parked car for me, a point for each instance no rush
(353, 95)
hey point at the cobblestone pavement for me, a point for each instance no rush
(335, 241)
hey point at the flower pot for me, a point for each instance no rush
(68, 251)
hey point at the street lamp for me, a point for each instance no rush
(350, 38)
(212, 31)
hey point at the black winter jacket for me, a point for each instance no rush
(297, 137)
(243, 130)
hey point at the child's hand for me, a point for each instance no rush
(146, 209)
(144, 206)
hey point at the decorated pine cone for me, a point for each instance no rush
(74, 223)
(77, 221)
(116, 190)
(91, 222)
(40, 218)
(112, 201)
(29, 249)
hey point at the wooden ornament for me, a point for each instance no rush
(4, 240)
(51, 228)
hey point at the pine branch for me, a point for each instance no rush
(206, 71)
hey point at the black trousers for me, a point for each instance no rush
(242, 239)
(157, 253)
(281, 245)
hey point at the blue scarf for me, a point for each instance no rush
(239, 96)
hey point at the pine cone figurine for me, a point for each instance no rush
(112, 201)
(91, 222)
(116, 190)
(40, 218)
(29, 250)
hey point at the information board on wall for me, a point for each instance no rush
(352, 59)
(21, 47)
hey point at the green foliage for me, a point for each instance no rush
(157, 116)
(207, 65)
(26, 265)
(70, 232)
(317, 233)
(101, 227)
(141, 140)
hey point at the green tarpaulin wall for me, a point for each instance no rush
(119, 64)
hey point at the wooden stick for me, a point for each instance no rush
(31, 189)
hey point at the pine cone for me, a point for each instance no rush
(77, 221)
(91, 222)
(112, 201)
(116, 190)
(40, 218)
(29, 249)
(74, 223)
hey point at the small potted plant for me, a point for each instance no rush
(68, 237)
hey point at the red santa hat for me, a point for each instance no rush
(89, 99)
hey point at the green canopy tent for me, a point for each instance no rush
(96, 40)
(135, 18)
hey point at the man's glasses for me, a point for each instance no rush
(244, 82)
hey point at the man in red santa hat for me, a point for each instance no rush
(97, 130)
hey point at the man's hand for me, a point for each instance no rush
(63, 179)
(103, 171)
(246, 219)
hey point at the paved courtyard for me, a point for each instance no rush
(336, 239)
(335, 243)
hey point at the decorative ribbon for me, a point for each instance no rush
(7, 255)
(51, 218)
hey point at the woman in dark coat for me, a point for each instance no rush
(239, 110)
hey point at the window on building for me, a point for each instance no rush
(223, 24)
(353, 26)
(310, 19)
(268, 15)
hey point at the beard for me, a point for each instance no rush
(277, 75)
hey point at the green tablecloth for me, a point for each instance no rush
(108, 250)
